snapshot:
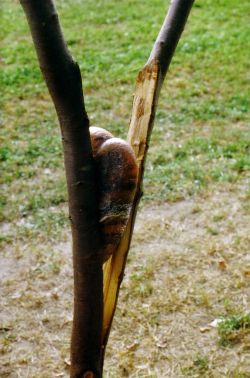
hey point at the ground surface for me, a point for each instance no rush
(189, 263)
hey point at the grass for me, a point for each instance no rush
(189, 264)
(233, 329)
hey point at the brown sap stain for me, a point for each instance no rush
(151, 69)
(140, 108)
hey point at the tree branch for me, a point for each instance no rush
(170, 33)
(63, 79)
(148, 85)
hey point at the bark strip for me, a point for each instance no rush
(63, 79)
(148, 85)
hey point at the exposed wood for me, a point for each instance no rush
(148, 85)
(142, 112)
(63, 79)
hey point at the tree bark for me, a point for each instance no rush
(63, 79)
(170, 33)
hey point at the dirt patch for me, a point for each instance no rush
(189, 264)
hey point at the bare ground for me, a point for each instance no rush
(189, 264)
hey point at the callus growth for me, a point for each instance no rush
(117, 174)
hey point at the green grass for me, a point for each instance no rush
(201, 135)
(199, 366)
(182, 169)
(233, 329)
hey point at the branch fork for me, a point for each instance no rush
(96, 286)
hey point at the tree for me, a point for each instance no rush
(96, 286)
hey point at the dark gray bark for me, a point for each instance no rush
(170, 33)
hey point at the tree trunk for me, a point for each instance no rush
(63, 79)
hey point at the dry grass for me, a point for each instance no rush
(189, 264)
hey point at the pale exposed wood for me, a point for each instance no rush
(144, 100)
(139, 132)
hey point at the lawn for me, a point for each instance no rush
(189, 262)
